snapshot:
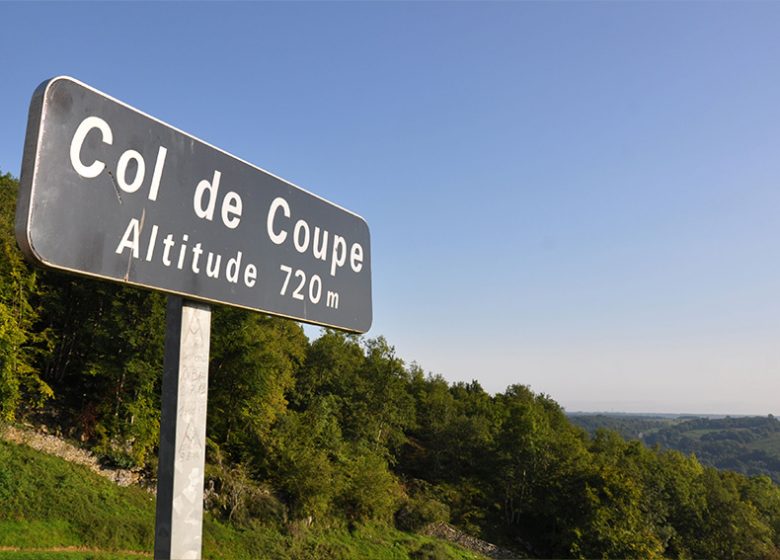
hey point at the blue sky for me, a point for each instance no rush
(580, 197)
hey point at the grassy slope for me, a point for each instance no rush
(47, 504)
(67, 555)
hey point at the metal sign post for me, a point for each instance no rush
(179, 521)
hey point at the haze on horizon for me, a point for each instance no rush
(578, 197)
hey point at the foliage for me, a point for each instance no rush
(420, 507)
(253, 359)
(304, 460)
(106, 362)
(232, 495)
(20, 382)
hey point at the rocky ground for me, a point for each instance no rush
(54, 445)
(447, 532)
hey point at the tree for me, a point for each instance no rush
(617, 522)
(20, 382)
(253, 361)
(106, 362)
(369, 384)
(303, 459)
(731, 528)
(370, 490)
(541, 461)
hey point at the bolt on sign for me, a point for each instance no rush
(110, 192)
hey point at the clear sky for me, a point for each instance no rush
(579, 197)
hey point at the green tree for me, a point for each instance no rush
(126, 362)
(731, 527)
(332, 365)
(762, 493)
(106, 362)
(20, 381)
(540, 463)
(617, 521)
(384, 408)
(370, 490)
(451, 445)
(253, 362)
(369, 384)
(674, 498)
(303, 460)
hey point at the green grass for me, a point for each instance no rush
(67, 555)
(54, 510)
(46, 502)
(770, 445)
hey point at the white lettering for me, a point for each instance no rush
(339, 255)
(157, 173)
(133, 229)
(231, 210)
(97, 166)
(297, 292)
(213, 272)
(320, 252)
(287, 270)
(315, 289)
(197, 202)
(188, 256)
(121, 171)
(279, 202)
(196, 253)
(250, 275)
(152, 241)
(301, 246)
(356, 257)
(182, 251)
(169, 243)
(233, 266)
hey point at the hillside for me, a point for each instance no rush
(51, 509)
(748, 445)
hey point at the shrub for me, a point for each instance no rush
(232, 495)
(419, 511)
(431, 551)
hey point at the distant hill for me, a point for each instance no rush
(748, 445)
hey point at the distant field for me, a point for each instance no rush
(630, 427)
(770, 445)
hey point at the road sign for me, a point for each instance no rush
(110, 192)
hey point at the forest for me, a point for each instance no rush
(339, 431)
(748, 445)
